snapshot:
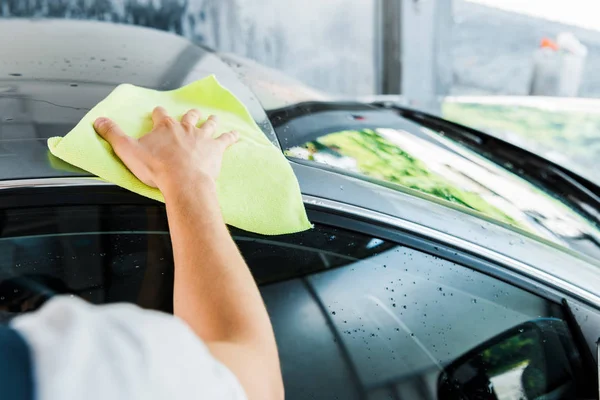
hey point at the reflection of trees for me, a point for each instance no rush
(512, 352)
(380, 159)
(572, 134)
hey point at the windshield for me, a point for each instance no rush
(561, 130)
(447, 172)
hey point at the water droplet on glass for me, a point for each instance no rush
(16, 290)
(137, 266)
(474, 301)
(333, 313)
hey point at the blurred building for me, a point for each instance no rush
(327, 44)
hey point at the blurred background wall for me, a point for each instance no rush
(440, 55)
(420, 48)
(326, 44)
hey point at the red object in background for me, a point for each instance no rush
(549, 44)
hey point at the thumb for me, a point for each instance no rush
(124, 146)
(110, 131)
(228, 138)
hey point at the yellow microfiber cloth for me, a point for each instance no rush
(257, 188)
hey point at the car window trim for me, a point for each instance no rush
(452, 248)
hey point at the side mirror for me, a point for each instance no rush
(535, 360)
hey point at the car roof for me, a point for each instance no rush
(52, 72)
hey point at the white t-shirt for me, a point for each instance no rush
(119, 351)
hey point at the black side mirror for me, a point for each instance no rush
(535, 360)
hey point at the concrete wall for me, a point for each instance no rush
(328, 44)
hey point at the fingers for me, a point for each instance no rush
(159, 114)
(111, 132)
(209, 127)
(122, 144)
(228, 138)
(191, 117)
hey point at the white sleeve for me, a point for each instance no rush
(119, 351)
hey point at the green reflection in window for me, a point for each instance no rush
(370, 154)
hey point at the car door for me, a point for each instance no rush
(361, 317)
(360, 311)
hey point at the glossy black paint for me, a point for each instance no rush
(53, 72)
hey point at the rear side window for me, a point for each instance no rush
(355, 316)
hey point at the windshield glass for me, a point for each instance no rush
(563, 131)
(442, 170)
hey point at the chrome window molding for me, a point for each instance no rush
(495, 257)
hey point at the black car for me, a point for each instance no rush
(444, 263)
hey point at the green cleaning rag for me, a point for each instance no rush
(257, 188)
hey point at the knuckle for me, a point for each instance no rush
(229, 136)
(210, 124)
(101, 123)
(109, 128)
(188, 126)
(169, 122)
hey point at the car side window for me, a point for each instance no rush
(355, 316)
(363, 318)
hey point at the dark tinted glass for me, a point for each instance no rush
(355, 316)
(438, 167)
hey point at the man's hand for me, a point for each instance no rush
(173, 151)
(214, 292)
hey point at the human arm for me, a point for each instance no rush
(214, 291)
